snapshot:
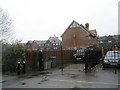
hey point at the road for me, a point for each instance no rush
(70, 78)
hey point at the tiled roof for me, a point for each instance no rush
(29, 41)
(22, 44)
(93, 31)
(40, 42)
(54, 40)
(79, 25)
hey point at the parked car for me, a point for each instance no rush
(112, 58)
(79, 55)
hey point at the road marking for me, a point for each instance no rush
(116, 84)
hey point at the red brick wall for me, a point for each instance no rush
(34, 46)
(81, 36)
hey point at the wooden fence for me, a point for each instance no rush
(105, 50)
(65, 55)
(35, 59)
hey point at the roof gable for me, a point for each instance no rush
(54, 40)
(75, 24)
(42, 42)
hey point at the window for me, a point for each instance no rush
(55, 48)
(42, 44)
(28, 45)
(101, 41)
(109, 41)
(113, 54)
(48, 48)
(74, 25)
(54, 44)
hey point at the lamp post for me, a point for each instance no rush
(23, 70)
(18, 68)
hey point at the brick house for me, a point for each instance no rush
(42, 45)
(22, 44)
(78, 36)
(109, 41)
(34, 45)
(29, 45)
(53, 43)
(56, 43)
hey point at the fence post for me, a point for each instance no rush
(86, 61)
(61, 59)
(103, 51)
(40, 56)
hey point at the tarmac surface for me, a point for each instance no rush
(73, 76)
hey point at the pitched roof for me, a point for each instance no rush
(23, 44)
(40, 42)
(29, 41)
(93, 31)
(75, 24)
(54, 40)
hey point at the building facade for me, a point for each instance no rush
(53, 43)
(77, 36)
(109, 42)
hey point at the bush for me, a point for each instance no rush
(11, 55)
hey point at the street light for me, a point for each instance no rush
(23, 70)
(18, 62)
(18, 68)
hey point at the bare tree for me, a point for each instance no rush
(6, 27)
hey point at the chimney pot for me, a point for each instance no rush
(87, 26)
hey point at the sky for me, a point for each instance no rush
(40, 19)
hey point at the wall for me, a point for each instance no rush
(82, 38)
(66, 55)
(33, 58)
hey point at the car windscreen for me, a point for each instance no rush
(113, 54)
(80, 52)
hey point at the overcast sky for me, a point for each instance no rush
(40, 19)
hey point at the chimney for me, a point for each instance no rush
(87, 26)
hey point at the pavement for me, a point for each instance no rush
(72, 76)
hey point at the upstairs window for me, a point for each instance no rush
(48, 44)
(109, 41)
(54, 44)
(74, 25)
